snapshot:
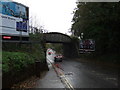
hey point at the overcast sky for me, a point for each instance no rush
(53, 15)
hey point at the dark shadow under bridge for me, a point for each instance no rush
(70, 49)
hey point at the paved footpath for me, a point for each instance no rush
(50, 80)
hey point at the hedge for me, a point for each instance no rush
(15, 61)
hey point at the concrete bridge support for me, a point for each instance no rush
(70, 50)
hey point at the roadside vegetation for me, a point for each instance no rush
(112, 59)
(18, 59)
(99, 21)
(0, 59)
(57, 47)
(17, 56)
(0, 65)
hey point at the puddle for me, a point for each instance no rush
(115, 79)
(69, 73)
(54, 80)
(62, 76)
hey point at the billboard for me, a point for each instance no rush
(14, 18)
(14, 9)
(87, 44)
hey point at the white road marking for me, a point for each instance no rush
(62, 77)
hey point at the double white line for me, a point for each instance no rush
(65, 80)
(62, 77)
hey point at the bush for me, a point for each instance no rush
(19, 55)
(15, 61)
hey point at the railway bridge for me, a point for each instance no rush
(69, 48)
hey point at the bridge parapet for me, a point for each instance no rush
(55, 37)
(69, 47)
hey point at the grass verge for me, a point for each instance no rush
(106, 59)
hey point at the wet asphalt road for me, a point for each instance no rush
(87, 75)
(80, 75)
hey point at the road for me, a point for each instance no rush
(87, 75)
(75, 74)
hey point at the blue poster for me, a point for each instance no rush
(0, 7)
(13, 9)
(22, 26)
(8, 8)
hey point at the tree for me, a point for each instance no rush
(99, 21)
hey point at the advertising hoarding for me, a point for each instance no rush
(14, 18)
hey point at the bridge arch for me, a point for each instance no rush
(69, 48)
(56, 37)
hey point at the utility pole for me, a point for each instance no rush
(20, 31)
